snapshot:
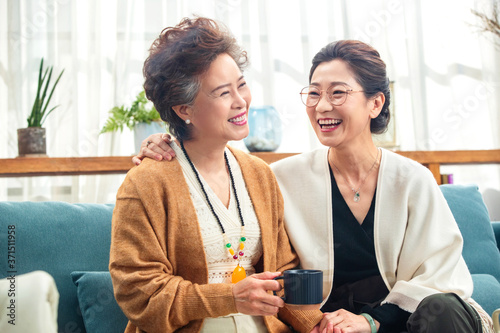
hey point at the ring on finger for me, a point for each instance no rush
(168, 137)
(147, 143)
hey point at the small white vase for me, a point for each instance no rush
(143, 130)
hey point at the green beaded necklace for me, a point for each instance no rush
(239, 272)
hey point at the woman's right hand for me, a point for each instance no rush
(252, 298)
(344, 321)
(156, 147)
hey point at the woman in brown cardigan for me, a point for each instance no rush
(197, 242)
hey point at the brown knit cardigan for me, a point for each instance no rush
(157, 259)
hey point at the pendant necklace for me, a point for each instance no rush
(239, 272)
(357, 196)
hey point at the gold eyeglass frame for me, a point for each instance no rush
(347, 91)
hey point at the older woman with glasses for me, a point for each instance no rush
(375, 222)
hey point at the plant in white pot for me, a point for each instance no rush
(31, 141)
(141, 117)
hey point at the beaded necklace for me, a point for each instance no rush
(239, 272)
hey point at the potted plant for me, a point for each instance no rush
(31, 140)
(141, 117)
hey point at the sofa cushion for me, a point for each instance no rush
(58, 238)
(486, 292)
(480, 250)
(496, 230)
(101, 313)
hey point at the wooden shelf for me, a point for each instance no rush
(434, 159)
(454, 156)
(64, 166)
(68, 166)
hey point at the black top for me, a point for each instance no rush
(355, 260)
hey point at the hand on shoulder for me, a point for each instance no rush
(155, 146)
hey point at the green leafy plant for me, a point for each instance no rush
(141, 111)
(39, 111)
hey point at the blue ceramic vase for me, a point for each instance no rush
(265, 129)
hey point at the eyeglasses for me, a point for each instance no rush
(336, 94)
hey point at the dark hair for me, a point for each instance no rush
(369, 71)
(178, 58)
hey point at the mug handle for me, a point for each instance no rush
(496, 321)
(279, 278)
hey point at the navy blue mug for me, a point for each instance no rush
(303, 288)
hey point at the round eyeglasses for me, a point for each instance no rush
(336, 94)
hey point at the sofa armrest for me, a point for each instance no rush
(496, 230)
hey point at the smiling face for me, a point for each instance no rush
(347, 123)
(219, 112)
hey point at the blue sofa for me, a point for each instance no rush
(71, 242)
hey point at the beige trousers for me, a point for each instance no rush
(237, 323)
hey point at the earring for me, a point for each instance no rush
(188, 121)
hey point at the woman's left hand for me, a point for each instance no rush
(343, 321)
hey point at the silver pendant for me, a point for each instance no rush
(356, 197)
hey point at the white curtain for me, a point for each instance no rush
(445, 73)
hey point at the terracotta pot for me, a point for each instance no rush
(31, 141)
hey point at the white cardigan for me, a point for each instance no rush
(417, 242)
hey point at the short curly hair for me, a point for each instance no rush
(178, 58)
(369, 71)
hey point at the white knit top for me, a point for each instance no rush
(220, 263)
